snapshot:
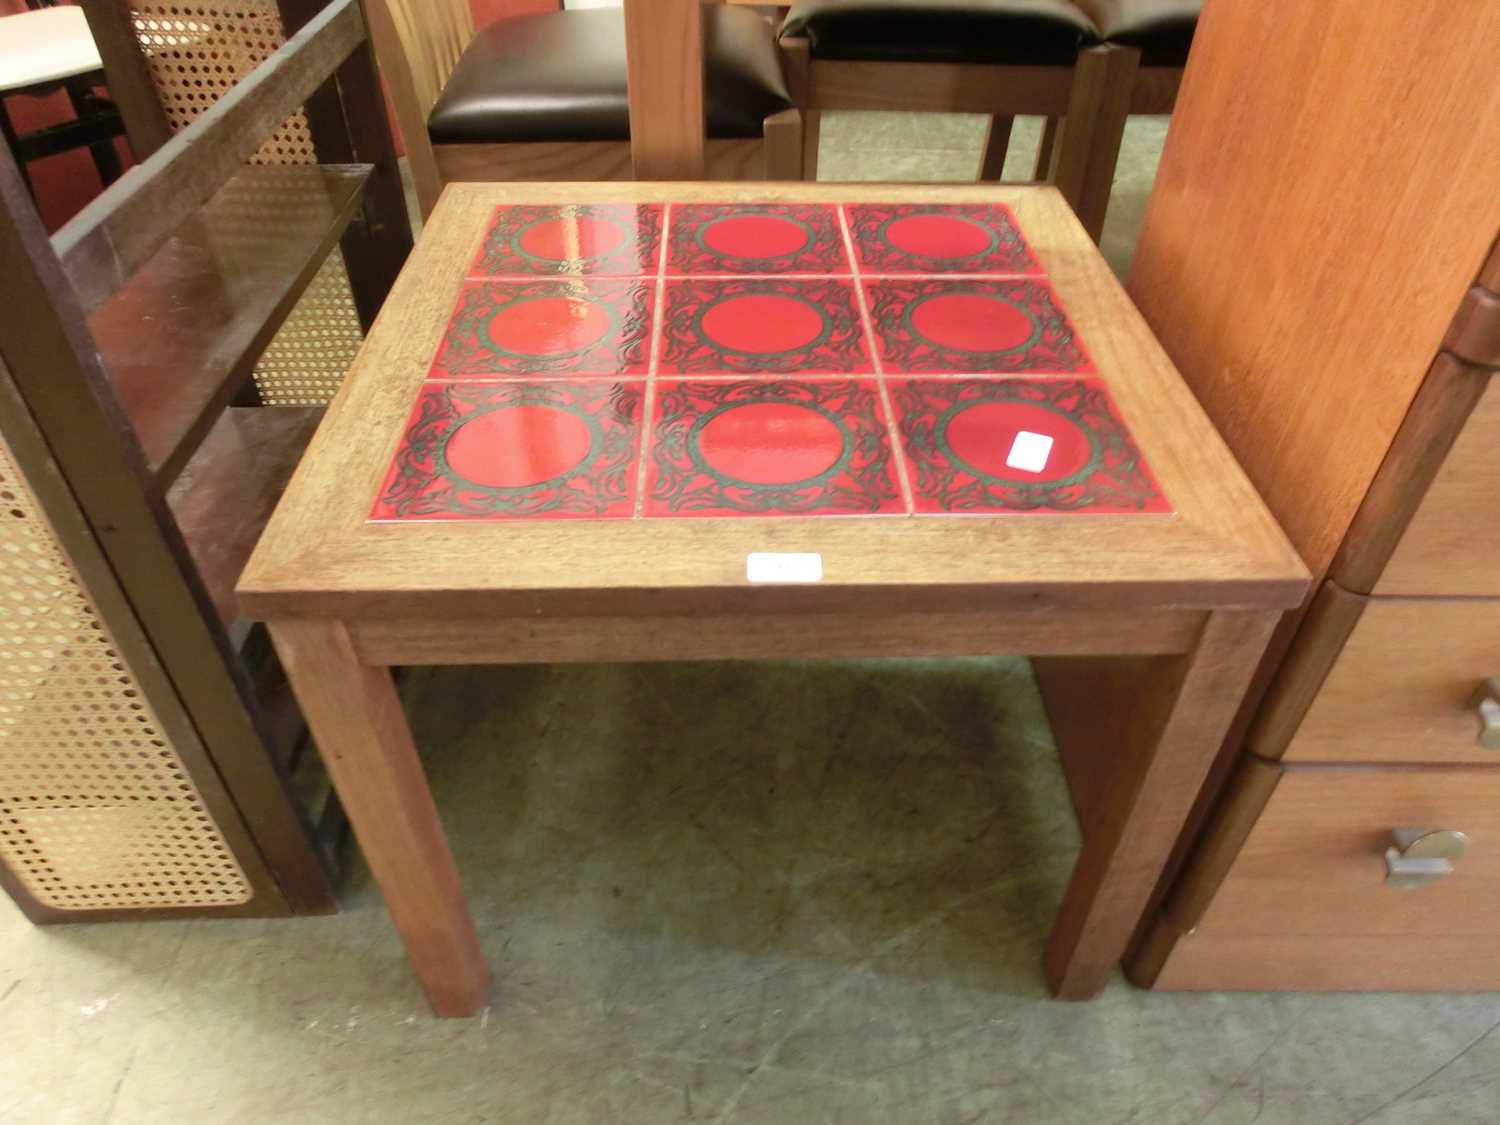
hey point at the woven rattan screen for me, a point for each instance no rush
(97, 811)
(196, 52)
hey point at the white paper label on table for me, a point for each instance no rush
(783, 566)
(1030, 452)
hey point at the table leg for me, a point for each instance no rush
(363, 737)
(1128, 845)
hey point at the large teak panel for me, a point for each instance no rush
(1246, 262)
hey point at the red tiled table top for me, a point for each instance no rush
(664, 361)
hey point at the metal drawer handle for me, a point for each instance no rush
(1419, 856)
(1487, 701)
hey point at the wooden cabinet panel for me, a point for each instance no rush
(1303, 309)
(1452, 545)
(1400, 691)
(1314, 864)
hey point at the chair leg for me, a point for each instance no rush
(1045, 149)
(1089, 144)
(996, 145)
(783, 141)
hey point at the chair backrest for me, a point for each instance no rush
(432, 35)
(418, 43)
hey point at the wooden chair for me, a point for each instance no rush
(1056, 59)
(544, 96)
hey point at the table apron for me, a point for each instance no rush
(606, 639)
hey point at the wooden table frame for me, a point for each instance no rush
(1199, 591)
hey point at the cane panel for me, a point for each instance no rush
(97, 811)
(196, 53)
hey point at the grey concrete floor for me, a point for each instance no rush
(788, 893)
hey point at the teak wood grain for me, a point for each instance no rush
(664, 83)
(1171, 742)
(1303, 663)
(1402, 686)
(1249, 254)
(356, 720)
(320, 556)
(1451, 545)
(1307, 905)
(770, 636)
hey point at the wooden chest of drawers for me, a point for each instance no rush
(1333, 297)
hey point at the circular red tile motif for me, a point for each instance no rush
(548, 326)
(982, 435)
(762, 323)
(939, 236)
(769, 443)
(570, 239)
(749, 237)
(972, 322)
(519, 446)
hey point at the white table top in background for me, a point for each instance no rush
(44, 46)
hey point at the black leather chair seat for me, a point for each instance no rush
(1162, 29)
(1007, 32)
(560, 76)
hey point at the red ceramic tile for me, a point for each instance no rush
(504, 451)
(953, 238)
(595, 239)
(770, 448)
(1001, 446)
(763, 326)
(735, 238)
(541, 328)
(972, 327)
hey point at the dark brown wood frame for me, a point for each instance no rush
(62, 412)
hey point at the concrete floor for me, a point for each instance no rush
(749, 894)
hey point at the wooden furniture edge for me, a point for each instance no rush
(1321, 635)
(116, 233)
(664, 87)
(1220, 839)
(1438, 411)
(1176, 729)
(768, 636)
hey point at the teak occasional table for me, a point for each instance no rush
(644, 422)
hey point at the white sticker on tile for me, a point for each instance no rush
(783, 566)
(1029, 451)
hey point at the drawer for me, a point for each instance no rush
(1306, 904)
(1402, 688)
(1452, 545)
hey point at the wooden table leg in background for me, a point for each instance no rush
(363, 737)
(1127, 846)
